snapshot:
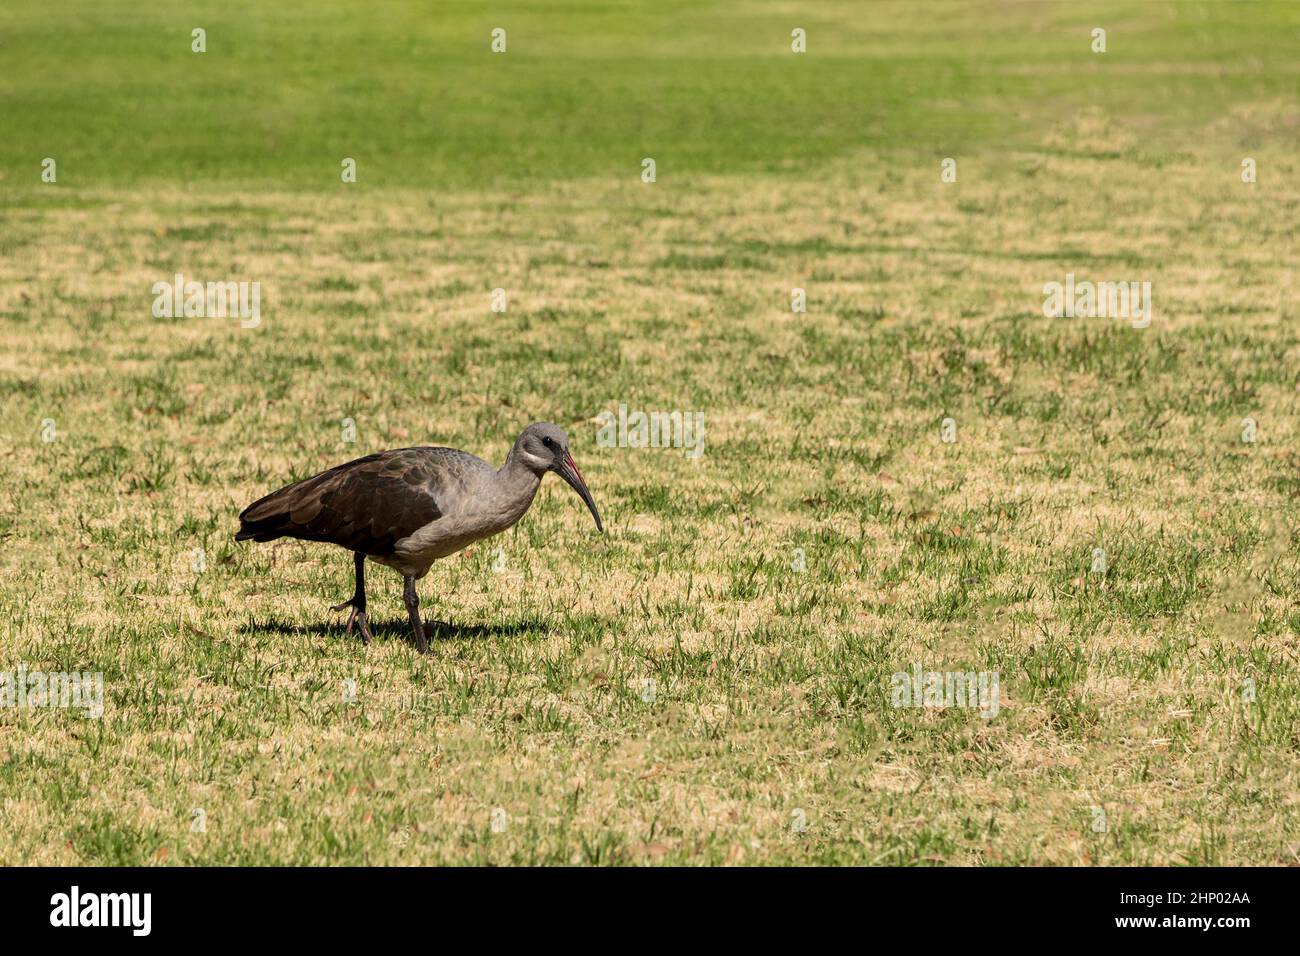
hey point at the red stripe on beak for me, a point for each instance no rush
(568, 470)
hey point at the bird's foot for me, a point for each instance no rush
(358, 617)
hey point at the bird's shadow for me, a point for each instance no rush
(396, 629)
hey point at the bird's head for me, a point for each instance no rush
(544, 447)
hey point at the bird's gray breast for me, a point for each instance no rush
(476, 504)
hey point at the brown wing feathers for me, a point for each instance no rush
(366, 505)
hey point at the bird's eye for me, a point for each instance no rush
(547, 442)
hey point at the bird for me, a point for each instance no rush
(408, 507)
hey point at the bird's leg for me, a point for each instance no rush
(358, 601)
(413, 609)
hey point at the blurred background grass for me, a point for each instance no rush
(412, 91)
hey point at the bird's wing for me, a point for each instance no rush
(366, 505)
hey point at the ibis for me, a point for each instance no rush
(407, 508)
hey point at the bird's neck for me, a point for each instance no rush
(517, 482)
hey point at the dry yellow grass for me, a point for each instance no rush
(226, 689)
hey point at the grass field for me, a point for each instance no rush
(826, 539)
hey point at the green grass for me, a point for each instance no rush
(416, 96)
(825, 540)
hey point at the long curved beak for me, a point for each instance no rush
(567, 470)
